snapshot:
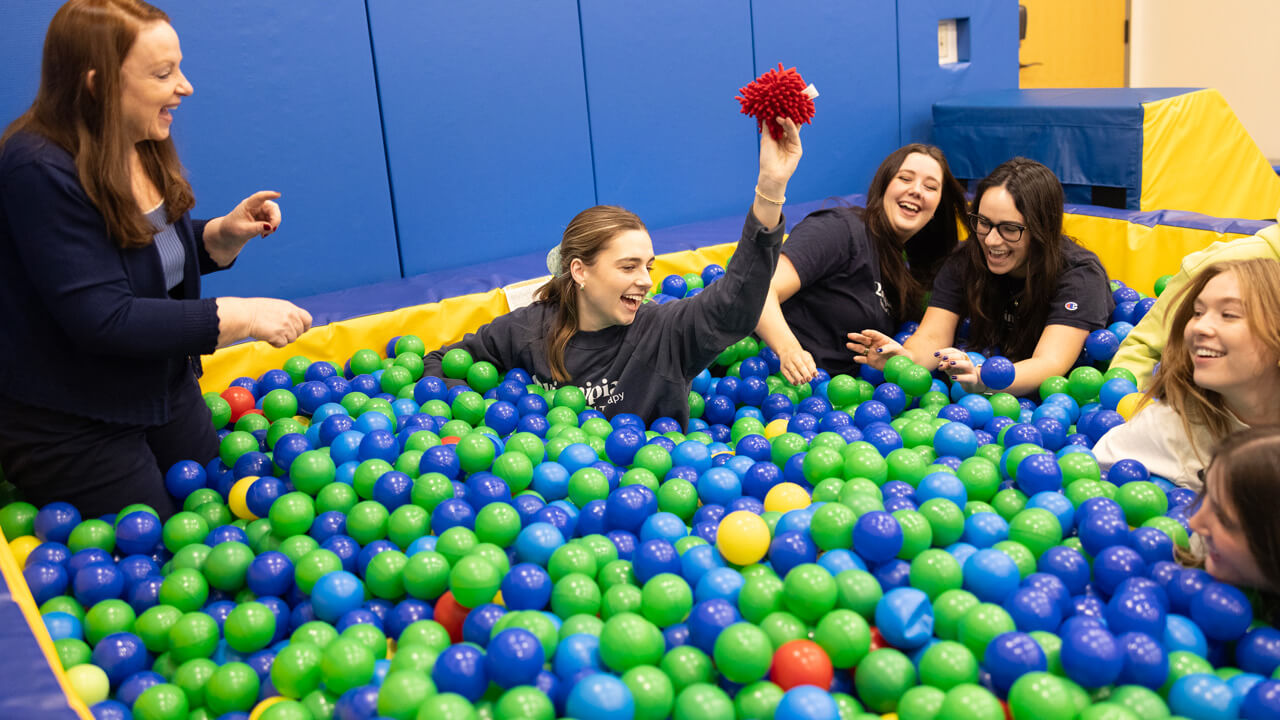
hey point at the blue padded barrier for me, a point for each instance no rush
(992, 65)
(848, 55)
(667, 138)
(285, 101)
(486, 126)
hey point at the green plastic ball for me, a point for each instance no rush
(743, 653)
(882, 679)
(161, 702)
(809, 591)
(686, 665)
(859, 591)
(651, 690)
(970, 702)
(292, 514)
(948, 609)
(232, 688)
(947, 664)
(183, 529)
(980, 625)
(666, 600)
(194, 635)
(1041, 695)
(107, 617)
(185, 589)
(845, 636)
(628, 640)
(702, 701)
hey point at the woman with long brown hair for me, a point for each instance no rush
(590, 325)
(100, 266)
(1030, 292)
(845, 268)
(1220, 373)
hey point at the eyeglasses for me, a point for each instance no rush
(1010, 232)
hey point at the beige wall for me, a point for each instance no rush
(1230, 45)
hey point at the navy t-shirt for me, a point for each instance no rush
(840, 287)
(1082, 299)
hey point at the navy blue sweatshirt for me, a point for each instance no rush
(89, 328)
(646, 367)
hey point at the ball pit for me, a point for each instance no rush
(371, 541)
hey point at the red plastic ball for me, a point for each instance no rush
(451, 615)
(801, 662)
(877, 640)
(449, 440)
(240, 400)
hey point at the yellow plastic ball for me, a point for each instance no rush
(1128, 405)
(786, 496)
(21, 547)
(89, 683)
(237, 498)
(775, 428)
(262, 706)
(743, 537)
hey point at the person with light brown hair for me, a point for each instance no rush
(100, 266)
(590, 325)
(1220, 373)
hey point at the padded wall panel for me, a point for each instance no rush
(848, 54)
(669, 142)
(992, 64)
(21, 40)
(285, 100)
(486, 124)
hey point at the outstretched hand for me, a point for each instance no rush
(959, 367)
(874, 348)
(258, 214)
(779, 158)
(797, 366)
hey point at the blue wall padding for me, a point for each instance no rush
(28, 688)
(285, 100)
(661, 75)
(993, 56)
(849, 56)
(1087, 137)
(486, 123)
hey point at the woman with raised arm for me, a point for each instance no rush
(591, 327)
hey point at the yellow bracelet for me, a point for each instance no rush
(770, 200)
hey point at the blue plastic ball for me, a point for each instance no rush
(997, 372)
(598, 695)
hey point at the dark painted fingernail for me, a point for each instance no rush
(879, 349)
(953, 362)
(937, 354)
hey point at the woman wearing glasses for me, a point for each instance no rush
(1031, 293)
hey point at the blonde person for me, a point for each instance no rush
(1141, 349)
(1220, 373)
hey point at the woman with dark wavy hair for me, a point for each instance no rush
(850, 268)
(100, 266)
(1030, 292)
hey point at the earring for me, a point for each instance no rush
(582, 286)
